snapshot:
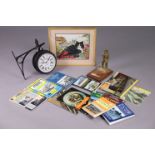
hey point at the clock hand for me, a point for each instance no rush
(48, 59)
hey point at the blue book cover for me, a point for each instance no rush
(61, 79)
(53, 91)
(56, 77)
(118, 113)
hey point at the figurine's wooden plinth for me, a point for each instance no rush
(99, 74)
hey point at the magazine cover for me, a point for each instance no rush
(118, 113)
(71, 100)
(136, 95)
(74, 98)
(119, 84)
(97, 107)
(86, 83)
(28, 99)
(46, 88)
(61, 79)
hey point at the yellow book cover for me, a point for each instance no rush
(136, 95)
(98, 107)
(44, 87)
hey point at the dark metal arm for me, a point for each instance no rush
(21, 58)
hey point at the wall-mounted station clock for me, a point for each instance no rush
(44, 61)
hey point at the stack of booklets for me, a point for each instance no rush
(83, 94)
(40, 90)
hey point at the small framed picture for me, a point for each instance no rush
(73, 45)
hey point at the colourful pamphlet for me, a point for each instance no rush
(28, 99)
(45, 88)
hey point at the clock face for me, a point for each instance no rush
(46, 63)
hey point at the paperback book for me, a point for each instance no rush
(119, 84)
(97, 107)
(118, 113)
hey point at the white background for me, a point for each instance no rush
(77, 13)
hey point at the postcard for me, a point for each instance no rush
(92, 85)
(119, 84)
(46, 88)
(118, 113)
(136, 95)
(28, 99)
(86, 83)
(98, 107)
(61, 79)
(82, 81)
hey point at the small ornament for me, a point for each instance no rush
(102, 72)
(105, 60)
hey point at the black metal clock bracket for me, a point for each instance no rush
(20, 59)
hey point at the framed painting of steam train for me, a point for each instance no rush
(73, 45)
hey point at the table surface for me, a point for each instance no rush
(132, 51)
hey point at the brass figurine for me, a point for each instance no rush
(102, 71)
(105, 59)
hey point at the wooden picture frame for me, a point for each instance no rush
(73, 45)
